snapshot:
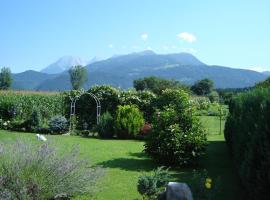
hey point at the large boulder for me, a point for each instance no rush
(178, 191)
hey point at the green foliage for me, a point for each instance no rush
(20, 105)
(58, 124)
(203, 87)
(144, 100)
(177, 137)
(105, 127)
(176, 98)
(156, 84)
(86, 107)
(213, 96)
(78, 76)
(129, 121)
(247, 133)
(34, 122)
(5, 78)
(149, 186)
(204, 187)
(263, 84)
(31, 172)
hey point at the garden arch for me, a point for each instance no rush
(73, 107)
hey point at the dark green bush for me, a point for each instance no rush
(34, 121)
(105, 127)
(58, 124)
(129, 121)
(247, 133)
(177, 137)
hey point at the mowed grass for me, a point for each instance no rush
(213, 125)
(124, 161)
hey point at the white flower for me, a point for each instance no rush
(5, 123)
(185, 135)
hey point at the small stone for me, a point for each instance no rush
(178, 191)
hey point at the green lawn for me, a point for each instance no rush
(124, 162)
(212, 124)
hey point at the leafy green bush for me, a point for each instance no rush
(213, 96)
(58, 124)
(105, 127)
(31, 172)
(247, 133)
(129, 121)
(177, 137)
(149, 186)
(144, 100)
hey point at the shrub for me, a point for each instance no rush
(34, 122)
(31, 172)
(177, 137)
(247, 133)
(144, 100)
(129, 121)
(149, 186)
(213, 96)
(173, 141)
(58, 124)
(105, 127)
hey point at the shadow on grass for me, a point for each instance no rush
(129, 164)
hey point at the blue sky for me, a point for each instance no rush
(233, 33)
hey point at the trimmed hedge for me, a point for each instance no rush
(247, 133)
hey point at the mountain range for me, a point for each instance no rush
(121, 70)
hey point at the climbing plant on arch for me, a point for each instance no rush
(73, 101)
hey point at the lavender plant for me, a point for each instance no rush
(30, 172)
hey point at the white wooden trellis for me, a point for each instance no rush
(73, 107)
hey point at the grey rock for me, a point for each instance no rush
(178, 191)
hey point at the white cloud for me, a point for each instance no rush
(149, 48)
(188, 37)
(110, 46)
(144, 36)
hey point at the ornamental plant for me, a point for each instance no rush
(150, 186)
(37, 171)
(177, 137)
(129, 121)
(58, 124)
(105, 127)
